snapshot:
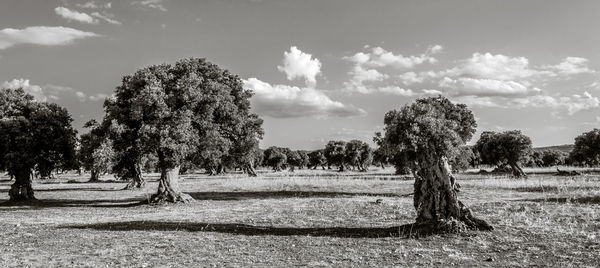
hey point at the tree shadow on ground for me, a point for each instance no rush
(59, 203)
(282, 194)
(554, 189)
(251, 230)
(580, 200)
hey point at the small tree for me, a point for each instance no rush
(304, 159)
(505, 148)
(293, 159)
(426, 133)
(317, 158)
(587, 148)
(335, 152)
(32, 134)
(462, 159)
(275, 157)
(358, 154)
(553, 157)
(96, 151)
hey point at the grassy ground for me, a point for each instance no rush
(315, 218)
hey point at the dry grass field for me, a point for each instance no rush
(312, 218)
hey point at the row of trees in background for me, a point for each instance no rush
(355, 155)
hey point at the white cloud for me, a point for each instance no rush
(154, 4)
(297, 64)
(34, 90)
(410, 78)
(106, 17)
(71, 15)
(90, 4)
(486, 87)
(284, 101)
(41, 35)
(477, 101)
(572, 104)
(395, 90)
(359, 76)
(570, 66)
(51, 92)
(497, 67)
(93, 5)
(433, 92)
(98, 97)
(379, 57)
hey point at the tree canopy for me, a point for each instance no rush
(504, 148)
(587, 148)
(175, 111)
(35, 135)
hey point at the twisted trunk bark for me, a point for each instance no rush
(94, 176)
(249, 168)
(168, 188)
(517, 171)
(436, 201)
(136, 180)
(21, 189)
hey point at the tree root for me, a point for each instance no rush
(449, 226)
(166, 197)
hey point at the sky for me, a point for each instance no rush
(324, 70)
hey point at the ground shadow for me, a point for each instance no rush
(70, 189)
(54, 203)
(251, 230)
(540, 189)
(580, 200)
(282, 194)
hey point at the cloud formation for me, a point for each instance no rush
(379, 57)
(106, 17)
(41, 35)
(72, 15)
(283, 101)
(298, 65)
(34, 90)
(93, 5)
(51, 92)
(367, 77)
(571, 66)
(153, 4)
(486, 87)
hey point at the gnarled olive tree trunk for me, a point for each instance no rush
(21, 189)
(94, 175)
(517, 171)
(135, 177)
(168, 188)
(436, 202)
(249, 169)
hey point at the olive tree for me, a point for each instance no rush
(587, 148)
(33, 134)
(335, 152)
(426, 133)
(275, 157)
(504, 148)
(316, 158)
(462, 159)
(96, 151)
(172, 110)
(552, 157)
(358, 154)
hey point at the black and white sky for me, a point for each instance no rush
(324, 69)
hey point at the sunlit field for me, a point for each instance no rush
(317, 218)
